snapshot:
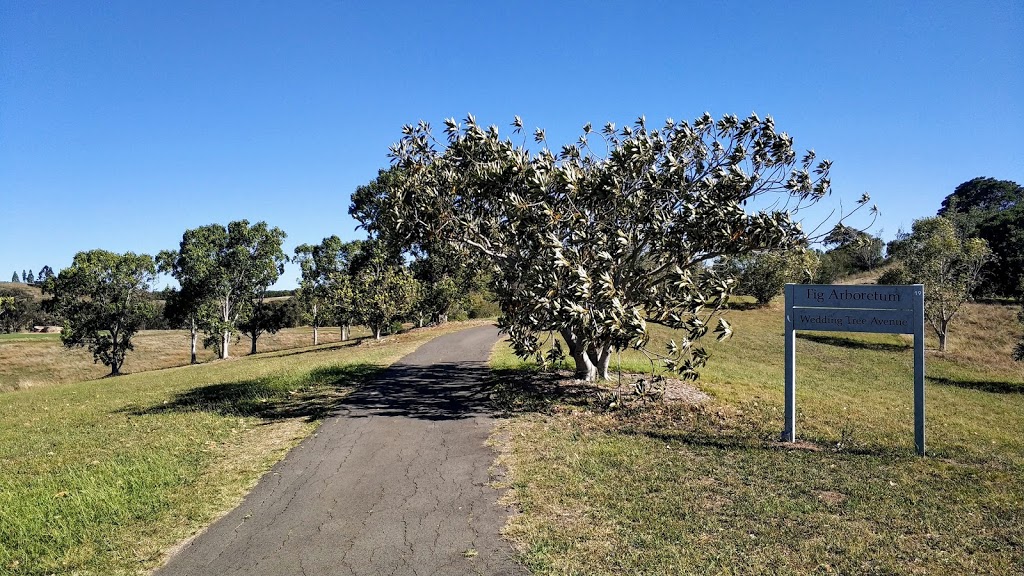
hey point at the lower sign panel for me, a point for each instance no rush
(850, 320)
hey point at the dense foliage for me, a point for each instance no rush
(593, 245)
(992, 210)
(224, 273)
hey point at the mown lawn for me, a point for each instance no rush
(103, 476)
(677, 489)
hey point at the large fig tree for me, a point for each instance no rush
(615, 230)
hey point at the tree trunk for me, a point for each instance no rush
(603, 360)
(442, 318)
(225, 338)
(942, 336)
(194, 336)
(376, 332)
(253, 351)
(316, 336)
(344, 332)
(585, 369)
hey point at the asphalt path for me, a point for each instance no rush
(397, 482)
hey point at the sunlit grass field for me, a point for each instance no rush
(103, 476)
(29, 360)
(709, 489)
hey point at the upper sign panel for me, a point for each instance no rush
(868, 296)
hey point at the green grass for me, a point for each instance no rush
(102, 477)
(708, 489)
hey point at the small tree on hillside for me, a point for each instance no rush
(15, 277)
(949, 266)
(593, 246)
(104, 299)
(31, 279)
(24, 277)
(763, 275)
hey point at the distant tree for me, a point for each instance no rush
(234, 265)
(852, 250)
(324, 269)
(763, 275)
(20, 310)
(446, 277)
(993, 210)
(104, 299)
(262, 318)
(446, 274)
(949, 266)
(24, 277)
(31, 278)
(383, 287)
(45, 273)
(15, 277)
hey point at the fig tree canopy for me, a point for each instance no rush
(597, 239)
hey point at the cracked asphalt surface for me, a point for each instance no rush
(396, 483)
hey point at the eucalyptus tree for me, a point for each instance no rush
(227, 270)
(610, 232)
(383, 289)
(935, 254)
(104, 300)
(323, 287)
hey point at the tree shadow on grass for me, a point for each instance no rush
(316, 395)
(699, 425)
(995, 387)
(847, 342)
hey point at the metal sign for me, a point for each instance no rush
(864, 308)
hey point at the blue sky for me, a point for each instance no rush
(122, 124)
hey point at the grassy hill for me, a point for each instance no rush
(708, 489)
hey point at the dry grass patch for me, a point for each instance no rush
(36, 360)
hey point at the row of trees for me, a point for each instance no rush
(45, 273)
(224, 274)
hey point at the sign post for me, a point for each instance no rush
(863, 308)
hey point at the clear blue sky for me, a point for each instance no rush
(122, 124)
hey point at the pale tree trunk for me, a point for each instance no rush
(226, 336)
(943, 334)
(316, 336)
(376, 332)
(585, 369)
(194, 335)
(345, 332)
(442, 318)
